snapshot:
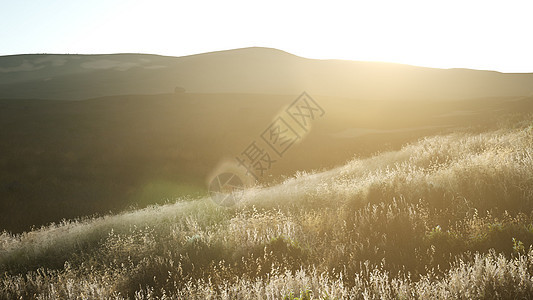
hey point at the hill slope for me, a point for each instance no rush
(401, 224)
(247, 70)
(64, 159)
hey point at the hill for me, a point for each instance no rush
(446, 217)
(247, 70)
(66, 159)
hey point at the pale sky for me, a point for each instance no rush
(488, 35)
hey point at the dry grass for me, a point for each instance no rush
(447, 217)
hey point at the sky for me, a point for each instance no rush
(485, 35)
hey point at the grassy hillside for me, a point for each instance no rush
(448, 216)
(64, 159)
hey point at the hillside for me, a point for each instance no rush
(448, 216)
(67, 159)
(247, 70)
(372, 180)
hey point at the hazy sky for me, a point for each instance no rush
(493, 35)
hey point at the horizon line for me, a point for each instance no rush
(272, 49)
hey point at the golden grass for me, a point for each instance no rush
(446, 217)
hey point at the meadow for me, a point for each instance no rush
(447, 216)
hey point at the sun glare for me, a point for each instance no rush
(445, 34)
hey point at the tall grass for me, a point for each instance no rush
(446, 217)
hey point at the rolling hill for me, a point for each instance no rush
(64, 159)
(395, 181)
(247, 70)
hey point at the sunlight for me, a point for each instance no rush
(443, 34)
(266, 150)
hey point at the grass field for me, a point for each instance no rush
(448, 216)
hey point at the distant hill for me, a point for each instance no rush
(248, 70)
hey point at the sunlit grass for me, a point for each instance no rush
(446, 217)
